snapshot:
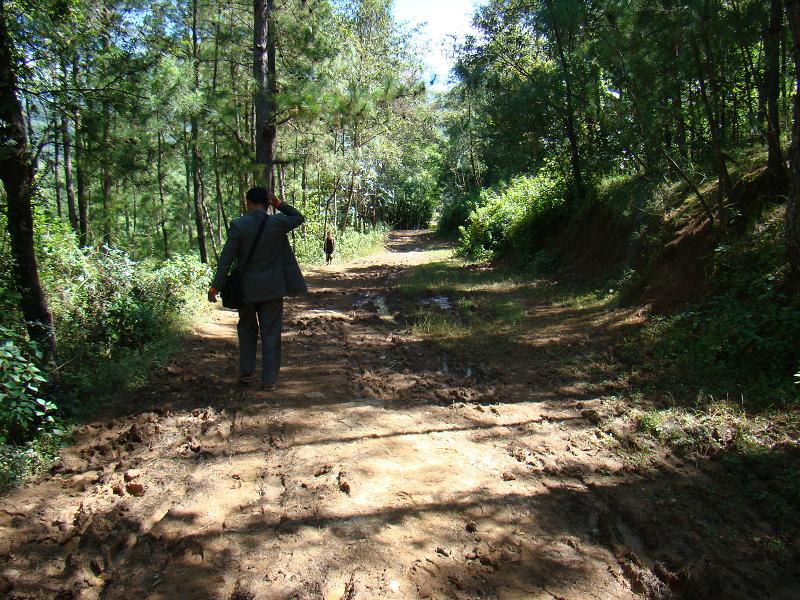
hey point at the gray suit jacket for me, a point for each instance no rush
(273, 271)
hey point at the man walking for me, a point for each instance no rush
(270, 274)
(328, 248)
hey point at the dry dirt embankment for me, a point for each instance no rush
(378, 469)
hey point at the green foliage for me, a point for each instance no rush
(349, 245)
(745, 336)
(18, 462)
(509, 217)
(456, 211)
(23, 407)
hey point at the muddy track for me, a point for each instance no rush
(379, 469)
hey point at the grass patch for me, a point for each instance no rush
(485, 305)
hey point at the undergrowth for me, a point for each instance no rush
(743, 339)
(115, 319)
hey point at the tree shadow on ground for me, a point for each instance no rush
(568, 520)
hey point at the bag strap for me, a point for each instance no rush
(255, 242)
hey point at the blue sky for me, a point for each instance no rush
(442, 19)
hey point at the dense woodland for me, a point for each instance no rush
(131, 131)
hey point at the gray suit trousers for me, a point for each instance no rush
(266, 316)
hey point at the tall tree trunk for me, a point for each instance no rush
(792, 224)
(196, 182)
(705, 68)
(472, 159)
(68, 183)
(218, 184)
(163, 208)
(334, 211)
(107, 214)
(209, 224)
(569, 116)
(65, 137)
(187, 168)
(264, 74)
(304, 187)
(56, 169)
(83, 212)
(17, 173)
(106, 168)
(350, 191)
(775, 160)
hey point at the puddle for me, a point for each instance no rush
(376, 301)
(442, 302)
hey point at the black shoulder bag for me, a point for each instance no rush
(231, 291)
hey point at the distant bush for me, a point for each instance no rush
(119, 303)
(455, 212)
(507, 217)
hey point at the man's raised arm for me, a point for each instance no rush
(290, 217)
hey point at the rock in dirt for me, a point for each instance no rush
(133, 435)
(509, 476)
(132, 474)
(118, 490)
(442, 550)
(97, 566)
(472, 527)
(135, 489)
(344, 486)
(323, 470)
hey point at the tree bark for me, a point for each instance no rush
(706, 67)
(17, 173)
(65, 137)
(569, 117)
(163, 210)
(775, 160)
(264, 74)
(218, 185)
(350, 191)
(196, 182)
(83, 213)
(304, 187)
(106, 170)
(792, 223)
(56, 169)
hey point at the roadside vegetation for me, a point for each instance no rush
(615, 168)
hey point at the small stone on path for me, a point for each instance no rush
(135, 489)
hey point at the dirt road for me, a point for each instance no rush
(376, 470)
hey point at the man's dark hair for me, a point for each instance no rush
(258, 195)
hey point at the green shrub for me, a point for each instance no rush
(24, 460)
(117, 303)
(455, 212)
(508, 218)
(23, 408)
(745, 336)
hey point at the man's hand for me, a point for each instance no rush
(274, 200)
(212, 294)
